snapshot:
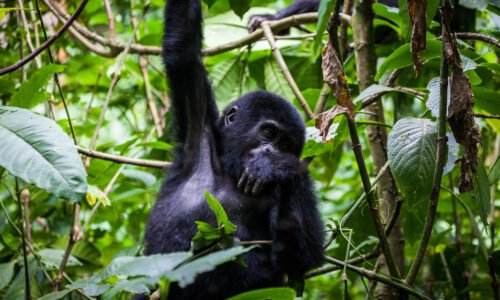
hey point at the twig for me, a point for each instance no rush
(486, 116)
(47, 43)
(25, 200)
(111, 21)
(27, 281)
(74, 236)
(438, 171)
(24, 21)
(149, 96)
(377, 277)
(284, 69)
(56, 77)
(478, 37)
(323, 98)
(125, 160)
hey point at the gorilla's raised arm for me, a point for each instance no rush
(194, 109)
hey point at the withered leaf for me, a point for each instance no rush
(461, 112)
(417, 11)
(334, 76)
(325, 119)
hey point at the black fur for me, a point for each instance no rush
(257, 141)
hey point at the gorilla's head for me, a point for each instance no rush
(259, 122)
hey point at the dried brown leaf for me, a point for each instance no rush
(325, 119)
(334, 76)
(461, 113)
(417, 11)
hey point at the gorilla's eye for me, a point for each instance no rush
(269, 132)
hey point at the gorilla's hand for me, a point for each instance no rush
(266, 168)
(255, 21)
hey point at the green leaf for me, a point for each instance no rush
(240, 7)
(89, 287)
(5, 10)
(494, 175)
(56, 295)
(147, 178)
(487, 100)
(52, 258)
(6, 273)
(31, 91)
(411, 150)
(187, 273)
(36, 150)
(481, 192)
(152, 266)
(209, 3)
(435, 96)
(401, 57)
(275, 80)
(220, 214)
(474, 4)
(225, 78)
(282, 293)
(325, 10)
(373, 90)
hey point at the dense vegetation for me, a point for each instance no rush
(84, 135)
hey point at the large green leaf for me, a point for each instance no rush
(401, 57)
(56, 295)
(31, 91)
(487, 100)
(481, 192)
(36, 150)
(411, 150)
(226, 81)
(187, 273)
(51, 258)
(474, 4)
(494, 175)
(434, 96)
(281, 293)
(275, 80)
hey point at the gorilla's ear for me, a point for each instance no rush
(230, 115)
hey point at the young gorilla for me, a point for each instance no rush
(248, 159)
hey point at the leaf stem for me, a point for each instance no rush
(27, 281)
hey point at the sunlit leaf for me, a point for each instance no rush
(265, 294)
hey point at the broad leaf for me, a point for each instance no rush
(56, 295)
(474, 4)
(373, 90)
(31, 91)
(36, 150)
(52, 258)
(282, 293)
(401, 57)
(411, 150)
(481, 192)
(434, 96)
(209, 3)
(187, 273)
(275, 80)
(220, 214)
(225, 77)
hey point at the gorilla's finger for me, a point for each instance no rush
(249, 185)
(243, 180)
(257, 187)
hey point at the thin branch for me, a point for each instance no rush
(397, 284)
(47, 43)
(323, 98)
(111, 21)
(27, 281)
(284, 69)
(149, 96)
(478, 37)
(125, 160)
(25, 200)
(438, 171)
(486, 116)
(74, 236)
